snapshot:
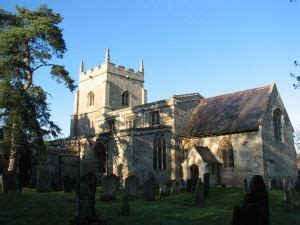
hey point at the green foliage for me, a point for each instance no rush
(30, 40)
(58, 208)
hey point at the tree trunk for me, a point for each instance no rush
(13, 165)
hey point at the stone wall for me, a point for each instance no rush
(279, 157)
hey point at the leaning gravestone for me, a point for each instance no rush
(206, 185)
(199, 191)
(132, 186)
(110, 187)
(181, 185)
(149, 189)
(44, 181)
(85, 201)
(69, 183)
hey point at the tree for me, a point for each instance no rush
(30, 40)
(297, 77)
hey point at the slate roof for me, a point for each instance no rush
(207, 155)
(230, 113)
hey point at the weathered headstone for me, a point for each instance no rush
(199, 191)
(257, 195)
(206, 185)
(246, 185)
(132, 186)
(194, 183)
(163, 190)
(149, 189)
(110, 187)
(69, 183)
(85, 201)
(5, 180)
(44, 181)
(125, 210)
(174, 187)
(286, 189)
(181, 185)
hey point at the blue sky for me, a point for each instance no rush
(210, 47)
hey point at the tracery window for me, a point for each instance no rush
(159, 152)
(226, 153)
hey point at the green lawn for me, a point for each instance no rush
(54, 208)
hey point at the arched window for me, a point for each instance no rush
(277, 124)
(226, 153)
(125, 98)
(159, 152)
(91, 99)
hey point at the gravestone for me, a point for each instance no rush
(174, 187)
(85, 201)
(149, 189)
(110, 187)
(132, 186)
(5, 180)
(189, 184)
(125, 210)
(258, 196)
(273, 184)
(56, 182)
(163, 190)
(297, 185)
(44, 181)
(246, 185)
(69, 183)
(286, 189)
(199, 191)
(181, 185)
(206, 185)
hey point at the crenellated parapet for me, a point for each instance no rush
(109, 67)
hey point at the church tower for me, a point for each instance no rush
(105, 88)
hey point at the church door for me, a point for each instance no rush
(194, 172)
(101, 152)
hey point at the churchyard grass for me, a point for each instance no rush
(57, 208)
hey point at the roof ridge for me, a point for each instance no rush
(242, 91)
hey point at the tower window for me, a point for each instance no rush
(125, 98)
(277, 125)
(91, 99)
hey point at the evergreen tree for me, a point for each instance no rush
(30, 40)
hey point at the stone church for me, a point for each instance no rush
(115, 130)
